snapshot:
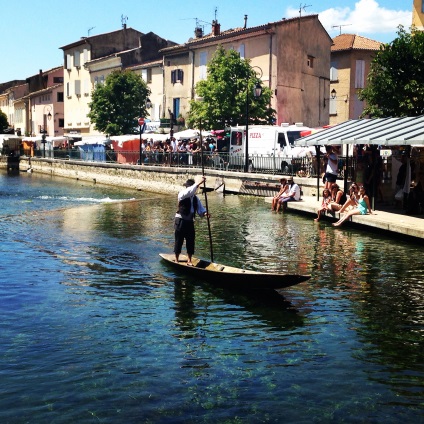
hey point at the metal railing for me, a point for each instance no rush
(306, 166)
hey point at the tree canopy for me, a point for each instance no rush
(3, 122)
(118, 103)
(395, 84)
(229, 81)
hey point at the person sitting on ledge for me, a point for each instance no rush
(362, 208)
(284, 188)
(325, 204)
(293, 195)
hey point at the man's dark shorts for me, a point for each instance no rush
(331, 178)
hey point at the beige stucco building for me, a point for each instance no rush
(90, 60)
(291, 57)
(418, 14)
(351, 56)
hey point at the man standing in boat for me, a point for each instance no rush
(188, 205)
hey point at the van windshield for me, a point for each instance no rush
(293, 135)
(236, 138)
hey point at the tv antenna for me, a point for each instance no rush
(124, 20)
(197, 21)
(88, 32)
(304, 8)
(340, 26)
(216, 12)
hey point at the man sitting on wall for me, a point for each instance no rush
(293, 195)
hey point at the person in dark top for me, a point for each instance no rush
(188, 206)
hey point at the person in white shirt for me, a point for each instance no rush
(188, 206)
(332, 169)
(293, 195)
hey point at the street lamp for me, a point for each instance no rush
(333, 96)
(43, 142)
(171, 128)
(257, 92)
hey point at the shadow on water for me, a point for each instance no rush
(269, 306)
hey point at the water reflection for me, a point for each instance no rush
(96, 311)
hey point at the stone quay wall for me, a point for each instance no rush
(160, 179)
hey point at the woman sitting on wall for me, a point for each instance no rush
(362, 208)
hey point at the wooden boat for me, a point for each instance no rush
(231, 277)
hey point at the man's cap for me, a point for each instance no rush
(189, 183)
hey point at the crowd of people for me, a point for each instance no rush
(356, 202)
(182, 152)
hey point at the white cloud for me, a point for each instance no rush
(367, 18)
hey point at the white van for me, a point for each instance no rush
(270, 147)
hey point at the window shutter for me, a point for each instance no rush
(180, 75)
(203, 62)
(333, 106)
(87, 86)
(78, 87)
(333, 74)
(173, 77)
(68, 62)
(85, 53)
(77, 57)
(360, 74)
(144, 74)
(241, 51)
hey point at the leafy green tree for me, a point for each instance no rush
(395, 84)
(118, 103)
(3, 122)
(229, 81)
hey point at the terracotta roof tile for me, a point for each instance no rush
(354, 42)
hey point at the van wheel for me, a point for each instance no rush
(285, 169)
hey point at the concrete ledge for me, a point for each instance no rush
(399, 224)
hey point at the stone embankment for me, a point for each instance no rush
(170, 180)
(159, 179)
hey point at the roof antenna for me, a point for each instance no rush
(340, 26)
(304, 9)
(124, 20)
(88, 32)
(216, 12)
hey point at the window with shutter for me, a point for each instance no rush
(333, 106)
(241, 51)
(180, 75)
(77, 57)
(78, 87)
(68, 62)
(86, 87)
(360, 74)
(333, 74)
(85, 54)
(202, 67)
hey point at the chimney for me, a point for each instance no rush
(198, 32)
(245, 21)
(216, 28)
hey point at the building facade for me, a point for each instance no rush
(351, 56)
(291, 57)
(90, 60)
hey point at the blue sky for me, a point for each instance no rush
(32, 32)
